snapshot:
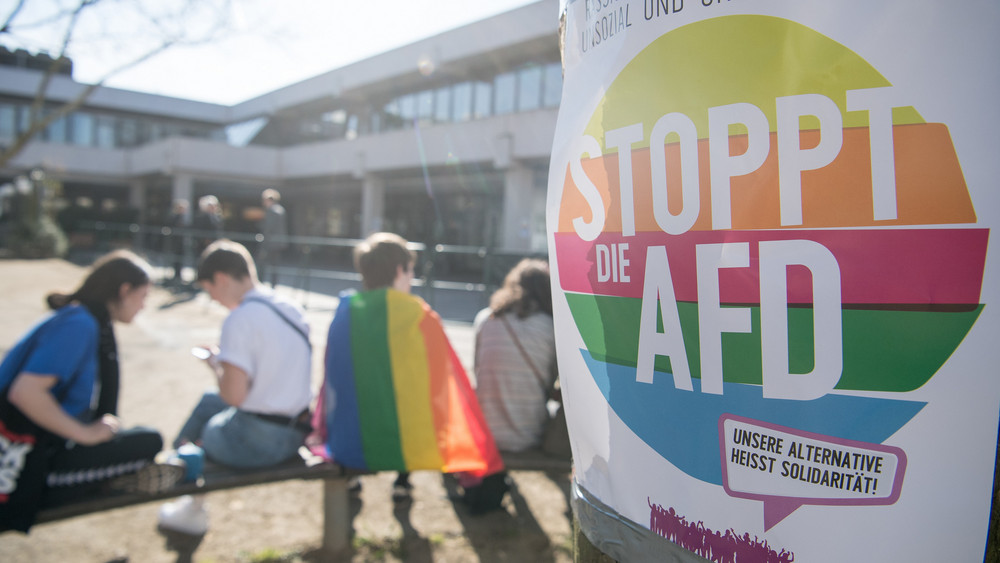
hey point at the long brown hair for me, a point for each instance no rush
(526, 290)
(103, 284)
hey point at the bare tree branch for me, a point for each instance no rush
(43, 84)
(10, 17)
(169, 33)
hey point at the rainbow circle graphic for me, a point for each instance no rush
(909, 266)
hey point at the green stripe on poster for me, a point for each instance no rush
(884, 350)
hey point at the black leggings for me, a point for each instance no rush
(80, 471)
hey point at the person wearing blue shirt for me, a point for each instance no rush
(60, 437)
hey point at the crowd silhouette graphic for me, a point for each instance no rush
(728, 547)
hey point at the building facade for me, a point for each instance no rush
(444, 141)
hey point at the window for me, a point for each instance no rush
(128, 133)
(442, 104)
(397, 114)
(425, 105)
(352, 127)
(8, 122)
(483, 100)
(56, 131)
(23, 119)
(529, 82)
(531, 87)
(105, 133)
(171, 130)
(407, 107)
(240, 134)
(552, 87)
(332, 124)
(461, 102)
(82, 129)
(504, 93)
(142, 132)
(156, 132)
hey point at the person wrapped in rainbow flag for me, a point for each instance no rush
(396, 396)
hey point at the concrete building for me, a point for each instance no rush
(445, 140)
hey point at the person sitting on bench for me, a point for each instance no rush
(396, 397)
(60, 437)
(515, 357)
(259, 416)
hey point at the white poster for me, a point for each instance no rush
(776, 302)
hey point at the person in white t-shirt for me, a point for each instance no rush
(259, 415)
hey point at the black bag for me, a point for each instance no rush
(555, 437)
(25, 453)
(487, 495)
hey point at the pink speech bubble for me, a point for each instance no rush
(786, 468)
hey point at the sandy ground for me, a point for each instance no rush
(278, 522)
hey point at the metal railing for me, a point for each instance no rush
(310, 259)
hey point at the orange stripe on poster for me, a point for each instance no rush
(930, 187)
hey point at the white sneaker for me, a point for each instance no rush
(186, 515)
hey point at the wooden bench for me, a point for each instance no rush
(336, 515)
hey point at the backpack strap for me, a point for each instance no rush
(524, 354)
(278, 312)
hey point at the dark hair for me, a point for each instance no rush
(227, 257)
(378, 257)
(526, 290)
(103, 284)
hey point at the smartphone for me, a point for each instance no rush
(201, 353)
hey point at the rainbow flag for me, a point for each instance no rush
(396, 396)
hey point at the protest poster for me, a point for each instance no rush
(775, 298)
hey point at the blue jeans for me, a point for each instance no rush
(236, 438)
